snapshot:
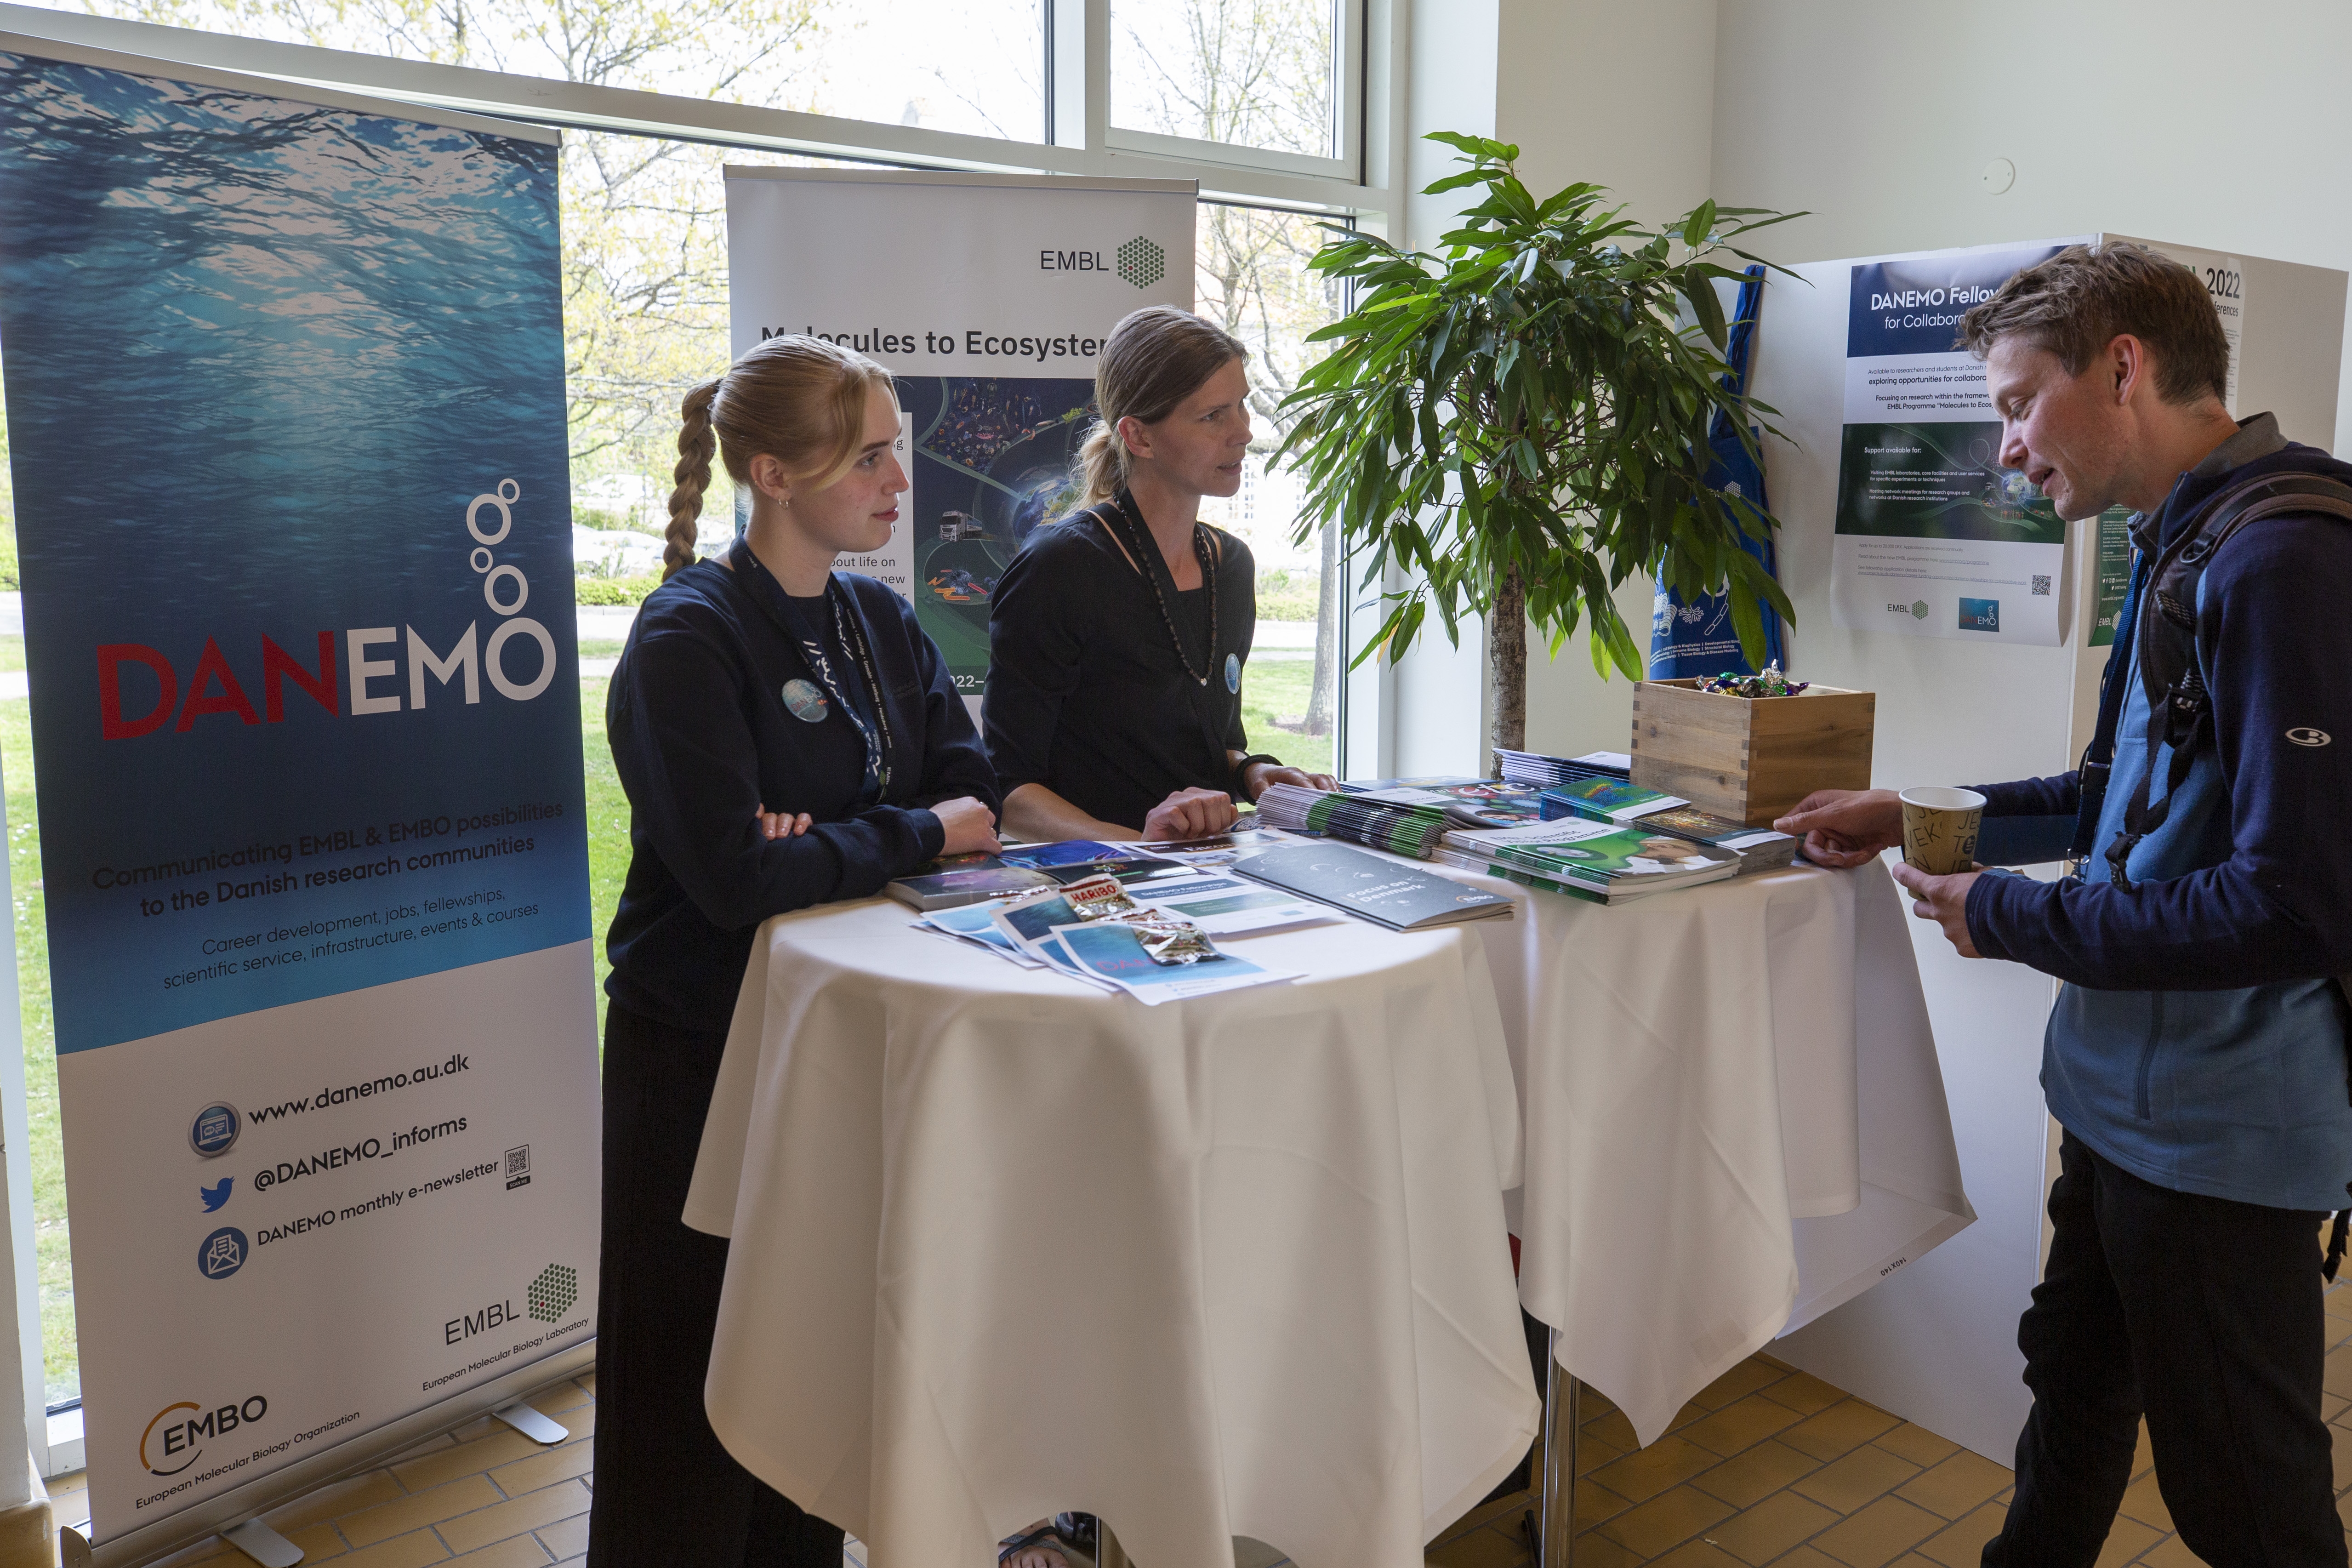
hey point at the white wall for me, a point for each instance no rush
(1577, 85)
(2223, 127)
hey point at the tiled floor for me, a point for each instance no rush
(1767, 1466)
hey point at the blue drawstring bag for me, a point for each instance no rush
(1697, 638)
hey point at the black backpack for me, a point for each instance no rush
(2181, 711)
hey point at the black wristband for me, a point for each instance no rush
(1241, 784)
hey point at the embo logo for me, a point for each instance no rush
(1979, 615)
(552, 1294)
(222, 1253)
(174, 1439)
(2305, 735)
(1142, 263)
(215, 1131)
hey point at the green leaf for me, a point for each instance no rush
(1709, 310)
(1699, 225)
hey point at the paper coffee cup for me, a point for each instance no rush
(1939, 829)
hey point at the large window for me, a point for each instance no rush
(1265, 81)
(1255, 98)
(1251, 280)
(975, 66)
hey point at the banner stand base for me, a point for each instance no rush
(263, 1544)
(351, 1458)
(522, 1418)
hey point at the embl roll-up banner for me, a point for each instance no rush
(989, 297)
(286, 416)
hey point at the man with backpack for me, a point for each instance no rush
(2196, 1057)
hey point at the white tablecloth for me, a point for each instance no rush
(1734, 1119)
(1003, 1246)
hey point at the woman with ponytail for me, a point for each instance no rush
(1116, 637)
(761, 675)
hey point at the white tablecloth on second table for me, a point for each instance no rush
(1003, 1244)
(1735, 1118)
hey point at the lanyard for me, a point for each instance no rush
(1138, 538)
(852, 633)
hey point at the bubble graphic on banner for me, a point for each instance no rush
(552, 1294)
(1142, 263)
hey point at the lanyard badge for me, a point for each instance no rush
(803, 700)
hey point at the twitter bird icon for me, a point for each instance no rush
(215, 1196)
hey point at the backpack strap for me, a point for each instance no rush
(2172, 667)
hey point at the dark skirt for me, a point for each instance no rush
(665, 1490)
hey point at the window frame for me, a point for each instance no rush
(1347, 110)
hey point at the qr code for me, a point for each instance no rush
(519, 1167)
(2042, 587)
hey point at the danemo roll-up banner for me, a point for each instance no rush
(285, 394)
(989, 297)
(1935, 538)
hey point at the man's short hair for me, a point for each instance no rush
(2083, 298)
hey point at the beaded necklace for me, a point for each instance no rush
(1145, 552)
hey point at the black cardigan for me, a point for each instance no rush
(701, 739)
(1086, 693)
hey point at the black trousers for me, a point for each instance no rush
(667, 1493)
(2204, 1315)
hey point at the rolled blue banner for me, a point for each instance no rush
(1697, 638)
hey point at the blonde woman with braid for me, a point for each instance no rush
(1116, 637)
(760, 675)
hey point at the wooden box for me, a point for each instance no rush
(1749, 759)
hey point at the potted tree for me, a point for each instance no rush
(1520, 422)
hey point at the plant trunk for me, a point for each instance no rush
(1507, 665)
(1326, 638)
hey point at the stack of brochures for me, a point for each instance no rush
(1604, 862)
(1049, 931)
(1629, 805)
(1402, 827)
(1467, 803)
(1604, 800)
(1533, 770)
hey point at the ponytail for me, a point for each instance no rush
(1102, 464)
(1154, 359)
(800, 400)
(694, 446)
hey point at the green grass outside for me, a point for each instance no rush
(1277, 688)
(45, 1143)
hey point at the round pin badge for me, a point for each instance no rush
(1233, 673)
(806, 703)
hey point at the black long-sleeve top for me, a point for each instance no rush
(1087, 694)
(702, 738)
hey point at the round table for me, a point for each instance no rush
(1003, 1244)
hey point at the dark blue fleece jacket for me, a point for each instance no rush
(2199, 1039)
(702, 738)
